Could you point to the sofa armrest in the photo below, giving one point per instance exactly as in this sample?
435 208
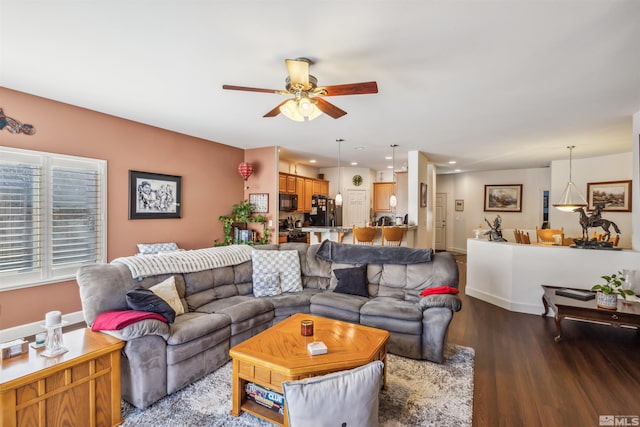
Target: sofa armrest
450 301
141 329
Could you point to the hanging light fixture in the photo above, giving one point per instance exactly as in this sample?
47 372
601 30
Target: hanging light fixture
393 200
571 198
339 196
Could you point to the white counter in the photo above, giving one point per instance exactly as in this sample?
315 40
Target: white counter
510 275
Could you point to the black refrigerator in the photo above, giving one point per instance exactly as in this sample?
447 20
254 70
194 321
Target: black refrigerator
324 212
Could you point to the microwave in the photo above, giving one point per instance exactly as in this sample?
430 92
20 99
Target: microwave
288 202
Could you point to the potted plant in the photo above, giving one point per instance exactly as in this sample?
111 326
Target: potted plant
241 213
607 296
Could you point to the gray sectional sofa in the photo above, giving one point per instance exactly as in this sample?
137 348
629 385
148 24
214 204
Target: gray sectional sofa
221 311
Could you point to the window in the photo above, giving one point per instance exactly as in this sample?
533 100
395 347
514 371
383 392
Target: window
52 216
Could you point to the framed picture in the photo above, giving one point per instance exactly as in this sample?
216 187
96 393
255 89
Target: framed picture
616 195
503 198
459 205
153 195
423 195
259 202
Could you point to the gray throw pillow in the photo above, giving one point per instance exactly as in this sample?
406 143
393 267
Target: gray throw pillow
352 281
346 397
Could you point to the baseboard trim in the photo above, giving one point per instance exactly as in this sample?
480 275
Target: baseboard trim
504 303
30 329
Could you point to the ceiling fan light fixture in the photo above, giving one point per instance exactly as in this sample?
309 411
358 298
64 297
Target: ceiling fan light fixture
290 110
307 108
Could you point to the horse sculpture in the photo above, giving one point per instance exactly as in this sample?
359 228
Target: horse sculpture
595 220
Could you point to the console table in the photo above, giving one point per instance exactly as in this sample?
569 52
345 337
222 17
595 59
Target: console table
627 314
80 387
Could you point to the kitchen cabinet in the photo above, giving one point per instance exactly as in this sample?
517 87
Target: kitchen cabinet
303 187
287 183
300 193
324 188
291 184
381 193
308 192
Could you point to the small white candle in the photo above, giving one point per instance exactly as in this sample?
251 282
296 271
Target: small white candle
53 318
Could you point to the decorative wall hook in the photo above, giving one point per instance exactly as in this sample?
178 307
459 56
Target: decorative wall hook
14 126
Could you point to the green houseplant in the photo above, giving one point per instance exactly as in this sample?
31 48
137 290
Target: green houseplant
607 296
241 213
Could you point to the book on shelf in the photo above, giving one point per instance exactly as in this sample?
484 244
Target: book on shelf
576 294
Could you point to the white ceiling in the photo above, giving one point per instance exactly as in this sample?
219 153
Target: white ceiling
495 84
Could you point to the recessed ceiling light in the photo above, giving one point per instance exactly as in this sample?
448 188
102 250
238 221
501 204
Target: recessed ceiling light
388 158
354 163
389 167
457 170
358 148
452 162
312 161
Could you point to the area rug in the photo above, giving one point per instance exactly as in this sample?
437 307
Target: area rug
419 393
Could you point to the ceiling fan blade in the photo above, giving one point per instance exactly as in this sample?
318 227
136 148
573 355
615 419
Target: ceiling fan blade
349 89
329 109
276 110
255 89
298 72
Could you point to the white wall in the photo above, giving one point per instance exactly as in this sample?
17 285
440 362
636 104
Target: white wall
635 149
616 167
470 188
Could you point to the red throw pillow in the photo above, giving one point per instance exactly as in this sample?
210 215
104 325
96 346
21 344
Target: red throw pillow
119 319
439 290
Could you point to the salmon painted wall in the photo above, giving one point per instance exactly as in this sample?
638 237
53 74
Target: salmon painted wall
264 180
206 168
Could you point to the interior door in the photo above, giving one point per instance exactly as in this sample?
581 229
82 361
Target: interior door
441 221
355 210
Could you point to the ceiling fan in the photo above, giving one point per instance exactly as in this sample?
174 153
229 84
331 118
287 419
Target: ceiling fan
307 102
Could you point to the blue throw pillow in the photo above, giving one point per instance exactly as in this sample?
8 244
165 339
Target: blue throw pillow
142 299
352 281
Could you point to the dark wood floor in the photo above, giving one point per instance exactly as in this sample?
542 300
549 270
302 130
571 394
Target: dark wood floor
524 378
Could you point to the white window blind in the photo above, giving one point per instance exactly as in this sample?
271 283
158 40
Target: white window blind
52 211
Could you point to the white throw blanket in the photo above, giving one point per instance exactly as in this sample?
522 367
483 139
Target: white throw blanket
186 261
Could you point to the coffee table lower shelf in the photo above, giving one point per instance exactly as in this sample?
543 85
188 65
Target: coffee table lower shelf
260 411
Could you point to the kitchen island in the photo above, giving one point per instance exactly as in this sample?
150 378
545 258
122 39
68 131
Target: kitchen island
338 234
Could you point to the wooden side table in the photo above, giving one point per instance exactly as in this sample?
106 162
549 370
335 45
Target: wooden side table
78 388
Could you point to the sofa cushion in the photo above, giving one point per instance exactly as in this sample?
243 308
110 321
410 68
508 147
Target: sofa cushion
337 306
268 285
191 326
340 398
352 281
441 300
167 291
289 268
154 248
266 264
119 319
392 315
143 299
266 276
141 329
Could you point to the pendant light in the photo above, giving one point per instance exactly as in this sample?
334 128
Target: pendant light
393 200
571 198
339 196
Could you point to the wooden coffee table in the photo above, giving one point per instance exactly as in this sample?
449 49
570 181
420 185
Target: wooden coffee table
626 314
280 354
